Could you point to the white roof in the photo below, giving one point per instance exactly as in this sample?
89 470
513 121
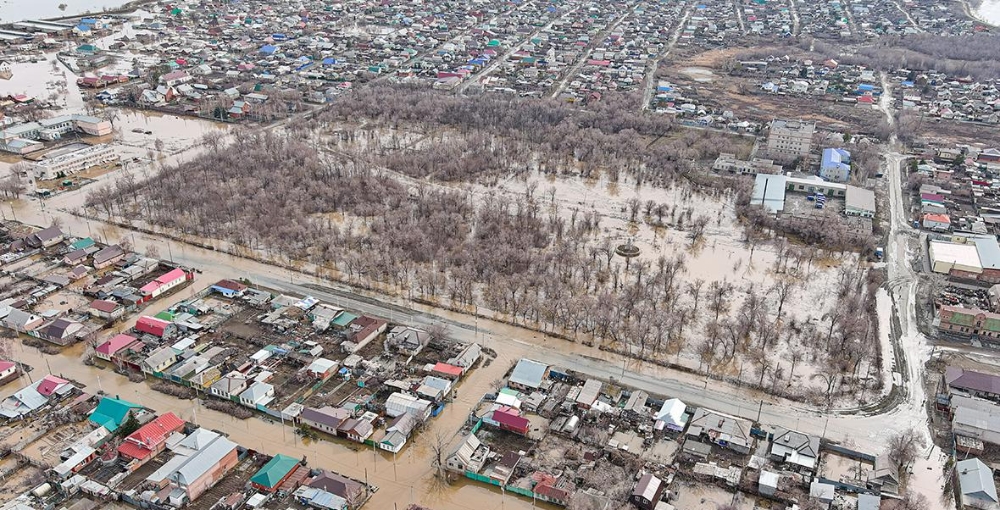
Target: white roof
964 255
769 191
73 461
199 452
401 403
321 365
769 479
976 481
672 412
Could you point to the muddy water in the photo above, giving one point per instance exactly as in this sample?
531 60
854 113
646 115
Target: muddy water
39 80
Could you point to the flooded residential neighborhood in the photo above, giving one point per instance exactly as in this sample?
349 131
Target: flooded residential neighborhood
434 255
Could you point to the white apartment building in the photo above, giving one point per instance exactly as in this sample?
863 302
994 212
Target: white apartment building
73 162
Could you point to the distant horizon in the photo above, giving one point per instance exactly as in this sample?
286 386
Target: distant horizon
42 9
989 11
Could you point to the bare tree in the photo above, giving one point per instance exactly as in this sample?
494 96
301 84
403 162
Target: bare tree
904 446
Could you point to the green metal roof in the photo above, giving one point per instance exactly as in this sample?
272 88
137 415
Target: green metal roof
344 319
962 319
86 242
274 471
165 316
111 412
991 324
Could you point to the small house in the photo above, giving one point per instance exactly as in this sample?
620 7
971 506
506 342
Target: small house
151 438
647 492
229 288
108 256
527 375
270 477
108 349
107 310
154 326
45 238
322 368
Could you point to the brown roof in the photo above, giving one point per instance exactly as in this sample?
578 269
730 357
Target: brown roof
962 379
103 305
336 484
108 253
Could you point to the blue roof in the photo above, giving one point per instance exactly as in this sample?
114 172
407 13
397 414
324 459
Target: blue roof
268 49
907 83
866 87
329 61
83 28
836 158
89 21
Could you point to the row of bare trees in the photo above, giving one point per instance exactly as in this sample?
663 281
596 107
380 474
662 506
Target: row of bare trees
371 217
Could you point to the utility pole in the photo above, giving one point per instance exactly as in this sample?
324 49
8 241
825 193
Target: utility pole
759 409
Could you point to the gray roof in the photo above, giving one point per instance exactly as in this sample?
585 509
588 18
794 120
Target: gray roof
45 235
637 401
859 198
403 424
976 480
18 318
108 253
821 491
590 391
211 448
528 373
989 252
336 484
256 391
806 445
159 356
795 125
721 427
869 502
22 402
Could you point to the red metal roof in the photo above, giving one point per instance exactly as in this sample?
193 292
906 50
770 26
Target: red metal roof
172 275
117 343
511 421
151 325
141 443
49 384
445 368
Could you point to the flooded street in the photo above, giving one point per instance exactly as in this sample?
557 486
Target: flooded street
45 81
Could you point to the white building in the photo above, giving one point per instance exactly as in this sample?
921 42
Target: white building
859 202
73 162
975 480
790 139
946 257
401 403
